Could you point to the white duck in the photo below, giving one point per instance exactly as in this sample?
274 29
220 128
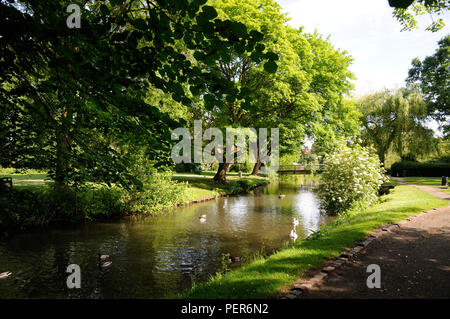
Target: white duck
293 234
202 218
5 274
102 257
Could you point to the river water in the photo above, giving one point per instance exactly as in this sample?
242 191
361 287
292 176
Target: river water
157 256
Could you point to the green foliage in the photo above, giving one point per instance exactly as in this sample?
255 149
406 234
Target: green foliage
239 186
429 169
432 77
72 98
395 120
159 192
350 179
406 10
24 208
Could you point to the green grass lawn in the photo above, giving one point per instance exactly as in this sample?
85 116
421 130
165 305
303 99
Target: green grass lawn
202 185
266 277
30 179
427 181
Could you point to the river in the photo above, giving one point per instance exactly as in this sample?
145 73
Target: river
156 257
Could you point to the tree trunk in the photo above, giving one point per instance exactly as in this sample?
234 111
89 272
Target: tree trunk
256 167
62 152
382 158
221 175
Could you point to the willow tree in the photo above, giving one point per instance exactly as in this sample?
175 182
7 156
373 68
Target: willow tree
396 120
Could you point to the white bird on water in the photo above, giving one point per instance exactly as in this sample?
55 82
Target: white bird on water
5 274
293 234
202 218
295 222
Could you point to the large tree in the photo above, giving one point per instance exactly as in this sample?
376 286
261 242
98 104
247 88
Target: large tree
395 120
84 92
432 76
283 91
304 93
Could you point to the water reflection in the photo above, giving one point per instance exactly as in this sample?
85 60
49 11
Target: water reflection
159 256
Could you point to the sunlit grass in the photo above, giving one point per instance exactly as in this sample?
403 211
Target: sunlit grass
29 179
202 185
266 277
427 181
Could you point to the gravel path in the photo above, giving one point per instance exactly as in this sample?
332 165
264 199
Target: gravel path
414 261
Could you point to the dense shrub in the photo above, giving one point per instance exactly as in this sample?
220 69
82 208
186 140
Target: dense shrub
427 169
159 191
38 207
350 179
239 186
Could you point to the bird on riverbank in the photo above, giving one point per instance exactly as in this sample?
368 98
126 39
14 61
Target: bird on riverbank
102 257
105 264
293 234
202 218
295 222
281 196
234 259
5 274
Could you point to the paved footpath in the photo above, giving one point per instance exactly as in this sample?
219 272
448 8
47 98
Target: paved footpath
414 261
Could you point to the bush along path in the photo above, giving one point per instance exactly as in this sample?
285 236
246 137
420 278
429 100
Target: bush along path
413 258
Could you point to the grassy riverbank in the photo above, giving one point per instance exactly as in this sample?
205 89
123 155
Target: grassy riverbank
266 277
201 185
34 202
427 181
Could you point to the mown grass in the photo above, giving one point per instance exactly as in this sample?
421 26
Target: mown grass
427 181
30 179
202 185
266 277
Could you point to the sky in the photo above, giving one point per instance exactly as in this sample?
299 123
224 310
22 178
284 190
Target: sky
371 35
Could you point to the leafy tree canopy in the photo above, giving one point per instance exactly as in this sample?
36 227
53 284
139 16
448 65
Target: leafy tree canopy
395 120
74 96
406 10
432 76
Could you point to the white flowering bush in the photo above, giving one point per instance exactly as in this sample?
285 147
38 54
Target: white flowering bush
351 179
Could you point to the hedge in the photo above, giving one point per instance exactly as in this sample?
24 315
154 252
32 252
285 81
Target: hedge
426 169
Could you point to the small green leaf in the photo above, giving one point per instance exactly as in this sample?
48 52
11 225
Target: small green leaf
270 67
104 10
210 12
272 56
257 36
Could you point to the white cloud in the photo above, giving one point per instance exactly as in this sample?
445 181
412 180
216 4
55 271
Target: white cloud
369 32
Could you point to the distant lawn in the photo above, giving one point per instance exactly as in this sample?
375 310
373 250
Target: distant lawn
427 181
29 179
202 185
266 277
